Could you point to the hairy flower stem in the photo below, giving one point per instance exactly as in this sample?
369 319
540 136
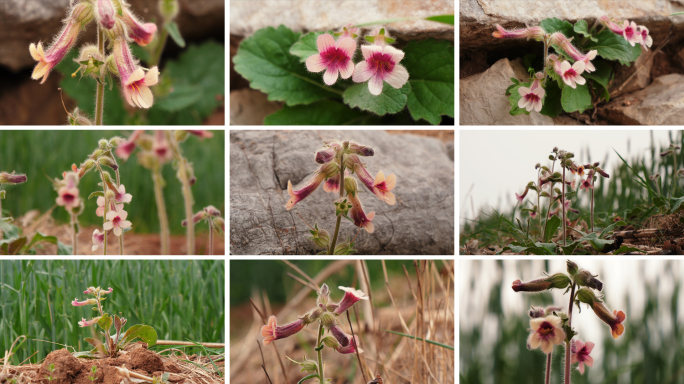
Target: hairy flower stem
0 218
331 251
118 184
553 165
74 235
99 95
568 338
674 171
546 53
187 198
591 211
321 374
161 43
563 206
104 215
547 378
539 211
211 236
161 210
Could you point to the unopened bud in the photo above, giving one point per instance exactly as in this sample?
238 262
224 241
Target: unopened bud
82 13
323 295
572 268
360 150
12 178
108 162
116 140
104 11
325 155
350 185
321 238
212 211
169 9
558 281
586 279
328 319
102 144
331 342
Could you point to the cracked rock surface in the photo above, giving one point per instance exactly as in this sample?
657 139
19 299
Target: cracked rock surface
261 163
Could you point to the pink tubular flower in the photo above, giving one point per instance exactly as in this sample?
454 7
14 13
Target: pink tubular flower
630 33
536 33
571 74
272 332
68 196
112 206
613 320
117 221
109 290
533 214
325 155
84 323
338 334
125 149
143 34
121 196
333 183
608 22
134 80
380 186
12 178
580 354
546 332
62 45
532 97
360 218
98 238
160 147
564 43
381 64
521 197
351 348
327 170
646 39
333 57
201 133
351 296
586 184
104 11
77 303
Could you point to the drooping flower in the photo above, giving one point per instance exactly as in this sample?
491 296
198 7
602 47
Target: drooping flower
360 218
558 281
351 296
335 57
536 33
380 186
325 171
580 354
98 239
546 332
608 22
614 320
161 148
117 221
338 334
104 11
135 82
77 303
351 348
80 15
325 155
646 39
521 197
380 64
533 214
142 33
86 323
571 74
121 196
12 178
125 149
630 33
586 184
566 45
272 331
112 206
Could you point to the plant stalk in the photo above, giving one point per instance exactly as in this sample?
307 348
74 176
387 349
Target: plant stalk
547 378
161 211
331 251
674 171
118 184
567 340
321 374
187 198
106 205
563 206
99 95
591 213
211 236
164 34
546 221
0 218
74 235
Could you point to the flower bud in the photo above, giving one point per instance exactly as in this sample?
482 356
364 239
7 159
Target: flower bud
572 268
168 9
308 366
219 223
323 295
586 279
12 178
102 144
350 185
558 280
110 195
360 150
325 155
312 315
327 319
331 342
321 238
115 141
104 11
108 162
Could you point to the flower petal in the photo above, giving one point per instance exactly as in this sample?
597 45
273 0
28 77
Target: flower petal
362 73
347 45
347 71
152 78
394 53
325 42
145 98
125 224
330 76
315 63
398 77
111 215
108 225
138 74
117 231
375 85
368 50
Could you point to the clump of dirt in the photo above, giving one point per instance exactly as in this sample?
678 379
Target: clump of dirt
136 359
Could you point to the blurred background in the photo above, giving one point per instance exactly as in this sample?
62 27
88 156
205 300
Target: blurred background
41 154
274 287
36 295
494 322
191 84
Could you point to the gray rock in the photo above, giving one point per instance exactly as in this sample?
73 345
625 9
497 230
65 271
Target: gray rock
642 67
247 16
250 107
262 162
23 22
661 103
483 100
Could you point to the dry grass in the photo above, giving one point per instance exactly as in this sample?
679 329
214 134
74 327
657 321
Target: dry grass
420 304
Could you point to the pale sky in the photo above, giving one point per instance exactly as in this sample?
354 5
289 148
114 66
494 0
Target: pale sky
497 164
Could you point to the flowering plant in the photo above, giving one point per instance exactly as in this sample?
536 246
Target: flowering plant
577 74
551 326
383 80
326 314
112 342
336 159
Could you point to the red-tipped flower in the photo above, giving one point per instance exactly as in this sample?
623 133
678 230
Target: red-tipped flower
272 332
351 296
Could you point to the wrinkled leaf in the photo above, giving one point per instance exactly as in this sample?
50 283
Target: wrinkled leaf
582 28
576 99
322 112
612 46
306 45
105 322
143 332
391 100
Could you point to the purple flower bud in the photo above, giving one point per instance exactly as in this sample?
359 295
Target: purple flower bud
339 335
272 332
12 178
325 155
360 150
105 13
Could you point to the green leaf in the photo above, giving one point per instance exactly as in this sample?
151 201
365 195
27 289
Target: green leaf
143 332
610 228
95 343
581 28
391 100
323 112
84 354
196 86
551 227
105 322
425 340
636 51
174 32
430 64
625 249
95 194
552 106
556 25
603 72
576 99
446 19
63 249
612 46
675 204
265 60
305 378
15 245
3 194
306 45
39 237
595 242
